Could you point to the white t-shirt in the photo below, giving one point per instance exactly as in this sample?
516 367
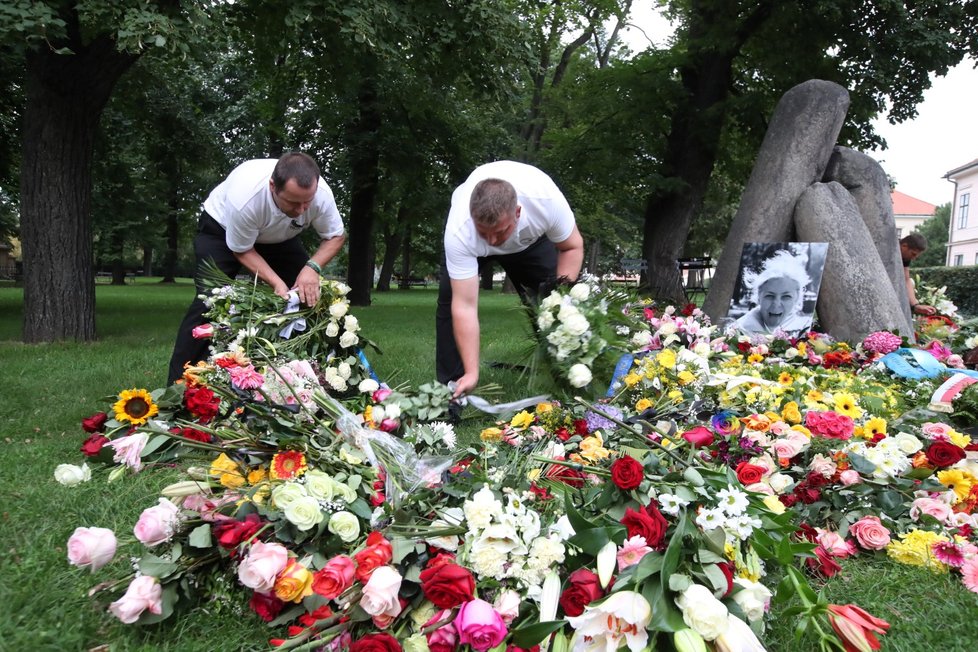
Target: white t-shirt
244 206
544 211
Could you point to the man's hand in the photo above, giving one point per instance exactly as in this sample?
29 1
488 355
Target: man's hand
307 285
923 309
281 289
465 384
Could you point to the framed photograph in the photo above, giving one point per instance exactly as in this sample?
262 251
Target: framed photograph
777 286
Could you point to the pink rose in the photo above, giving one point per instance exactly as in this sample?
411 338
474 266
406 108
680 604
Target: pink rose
91 547
156 524
129 449
822 465
380 593
202 332
850 477
380 394
479 625
786 448
699 436
507 605
760 488
834 544
930 507
143 593
445 638
935 430
334 578
870 533
954 360
263 563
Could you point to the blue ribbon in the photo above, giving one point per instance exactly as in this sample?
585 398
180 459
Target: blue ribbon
366 364
917 363
622 367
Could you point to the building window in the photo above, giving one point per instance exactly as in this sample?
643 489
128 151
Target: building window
899 233
963 210
959 260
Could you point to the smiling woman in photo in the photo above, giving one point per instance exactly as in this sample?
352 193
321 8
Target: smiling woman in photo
777 294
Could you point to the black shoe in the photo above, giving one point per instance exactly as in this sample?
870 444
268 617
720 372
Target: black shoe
454 413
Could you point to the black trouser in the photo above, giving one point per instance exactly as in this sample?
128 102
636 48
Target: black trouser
527 269
286 258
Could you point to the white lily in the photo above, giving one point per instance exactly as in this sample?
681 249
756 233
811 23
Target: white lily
607 558
549 597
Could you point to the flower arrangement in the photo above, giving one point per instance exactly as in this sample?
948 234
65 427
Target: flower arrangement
718 476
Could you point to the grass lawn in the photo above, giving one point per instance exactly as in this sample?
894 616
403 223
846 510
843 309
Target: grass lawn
48 389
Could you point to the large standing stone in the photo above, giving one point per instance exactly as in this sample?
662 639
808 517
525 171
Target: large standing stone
796 148
866 181
856 296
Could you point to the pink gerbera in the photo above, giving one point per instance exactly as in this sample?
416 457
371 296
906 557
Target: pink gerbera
948 552
882 342
969 574
246 377
632 551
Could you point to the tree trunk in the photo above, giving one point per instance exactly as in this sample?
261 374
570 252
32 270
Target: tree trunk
691 147
392 246
147 260
65 95
172 237
365 173
118 244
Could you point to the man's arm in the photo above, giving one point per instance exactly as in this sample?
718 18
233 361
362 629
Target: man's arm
570 256
915 308
465 324
256 264
307 283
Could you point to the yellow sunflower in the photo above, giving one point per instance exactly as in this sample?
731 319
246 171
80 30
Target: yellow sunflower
874 426
135 406
785 378
958 480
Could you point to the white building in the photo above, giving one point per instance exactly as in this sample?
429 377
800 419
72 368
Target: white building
962 237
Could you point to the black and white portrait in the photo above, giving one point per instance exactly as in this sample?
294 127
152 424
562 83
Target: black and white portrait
777 286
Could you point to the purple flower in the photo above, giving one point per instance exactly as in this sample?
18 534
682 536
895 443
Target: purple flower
597 418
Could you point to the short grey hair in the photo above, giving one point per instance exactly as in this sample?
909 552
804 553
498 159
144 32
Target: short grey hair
492 199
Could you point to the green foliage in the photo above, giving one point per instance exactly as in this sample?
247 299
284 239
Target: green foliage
959 281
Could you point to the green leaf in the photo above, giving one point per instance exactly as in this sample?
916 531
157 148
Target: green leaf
200 536
578 522
157 567
649 565
527 637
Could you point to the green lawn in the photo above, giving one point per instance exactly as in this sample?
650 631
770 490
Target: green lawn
48 389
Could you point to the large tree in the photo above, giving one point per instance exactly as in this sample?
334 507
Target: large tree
73 55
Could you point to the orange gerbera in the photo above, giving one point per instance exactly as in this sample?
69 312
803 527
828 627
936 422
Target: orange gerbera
288 465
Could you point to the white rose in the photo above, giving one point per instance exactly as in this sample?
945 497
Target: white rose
332 329
579 375
668 328
480 510
641 339
550 301
753 598
285 494
545 320
393 411
338 309
69 474
907 443
507 603
344 525
351 324
416 643
344 491
580 291
577 325
702 611
319 485
348 340
304 513
779 481
344 370
368 386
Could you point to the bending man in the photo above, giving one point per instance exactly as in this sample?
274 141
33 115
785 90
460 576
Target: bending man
911 246
253 219
513 214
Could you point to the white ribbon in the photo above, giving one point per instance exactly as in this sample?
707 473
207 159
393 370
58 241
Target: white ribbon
483 405
297 325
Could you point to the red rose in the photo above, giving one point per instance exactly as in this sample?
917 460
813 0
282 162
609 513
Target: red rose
95 423
266 605
309 618
699 436
565 474
202 402
943 454
809 495
727 569
748 473
382 642
583 588
823 563
230 533
647 523
192 434
447 585
562 434
788 500
377 553
94 444
580 427
627 473
377 499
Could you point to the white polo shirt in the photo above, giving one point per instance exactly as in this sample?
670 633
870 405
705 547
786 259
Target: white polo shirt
244 206
544 212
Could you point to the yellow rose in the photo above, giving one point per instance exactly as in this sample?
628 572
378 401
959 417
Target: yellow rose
229 473
592 448
790 412
632 379
643 404
773 504
491 435
543 408
666 358
522 420
257 475
686 377
293 583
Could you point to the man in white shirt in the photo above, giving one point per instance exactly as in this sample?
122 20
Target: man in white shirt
513 214
253 219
